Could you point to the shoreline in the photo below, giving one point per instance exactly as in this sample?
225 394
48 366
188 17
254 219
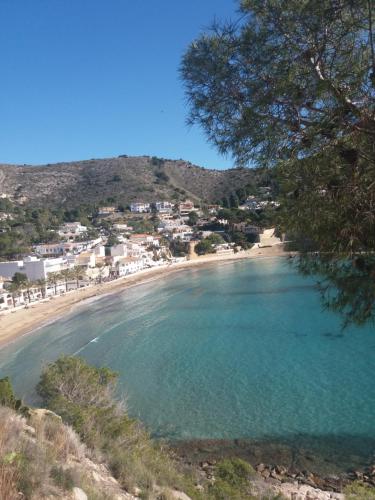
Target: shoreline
21 322
319 456
288 467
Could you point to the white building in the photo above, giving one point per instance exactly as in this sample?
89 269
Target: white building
52 249
120 250
140 207
33 267
84 259
127 249
173 225
72 229
64 248
122 228
181 235
6 216
224 248
134 249
164 207
107 210
176 229
128 265
213 209
99 250
165 216
186 207
144 239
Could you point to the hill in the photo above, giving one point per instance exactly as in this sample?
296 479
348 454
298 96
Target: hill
120 180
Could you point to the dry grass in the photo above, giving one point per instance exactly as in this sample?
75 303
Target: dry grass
9 478
64 441
11 426
41 458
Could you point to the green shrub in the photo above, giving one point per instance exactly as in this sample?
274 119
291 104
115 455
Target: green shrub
6 393
222 490
7 397
359 491
161 177
62 478
206 245
84 397
232 480
158 162
235 471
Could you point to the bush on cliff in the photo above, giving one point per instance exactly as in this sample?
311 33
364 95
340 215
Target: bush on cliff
84 396
359 491
232 480
7 397
39 457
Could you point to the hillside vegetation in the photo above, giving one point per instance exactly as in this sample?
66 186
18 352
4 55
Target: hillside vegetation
120 180
84 445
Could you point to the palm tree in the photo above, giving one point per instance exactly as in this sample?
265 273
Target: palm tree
20 282
100 271
41 284
14 289
77 273
28 285
66 274
54 279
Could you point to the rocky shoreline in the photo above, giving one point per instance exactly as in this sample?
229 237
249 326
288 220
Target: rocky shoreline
298 485
276 474
292 484
295 473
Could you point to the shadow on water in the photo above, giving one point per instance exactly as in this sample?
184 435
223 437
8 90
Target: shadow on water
321 455
275 291
331 335
346 285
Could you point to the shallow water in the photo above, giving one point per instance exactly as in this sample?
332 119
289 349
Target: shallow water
240 350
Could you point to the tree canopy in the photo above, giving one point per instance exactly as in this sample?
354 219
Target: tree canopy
291 84
289 78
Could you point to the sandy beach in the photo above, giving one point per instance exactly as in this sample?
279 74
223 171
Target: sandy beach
23 321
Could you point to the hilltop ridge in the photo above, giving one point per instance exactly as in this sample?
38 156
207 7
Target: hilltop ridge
119 180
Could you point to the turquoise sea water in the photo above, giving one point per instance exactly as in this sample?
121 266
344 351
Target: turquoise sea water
236 350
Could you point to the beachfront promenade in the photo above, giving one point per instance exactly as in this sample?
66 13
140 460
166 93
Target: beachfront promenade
24 320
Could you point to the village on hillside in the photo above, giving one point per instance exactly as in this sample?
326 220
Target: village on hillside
117 243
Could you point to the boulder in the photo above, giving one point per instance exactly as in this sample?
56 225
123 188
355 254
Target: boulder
78 494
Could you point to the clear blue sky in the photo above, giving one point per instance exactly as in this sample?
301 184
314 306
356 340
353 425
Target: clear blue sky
87 79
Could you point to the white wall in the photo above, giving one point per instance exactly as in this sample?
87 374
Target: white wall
34 268
119 251
7 269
